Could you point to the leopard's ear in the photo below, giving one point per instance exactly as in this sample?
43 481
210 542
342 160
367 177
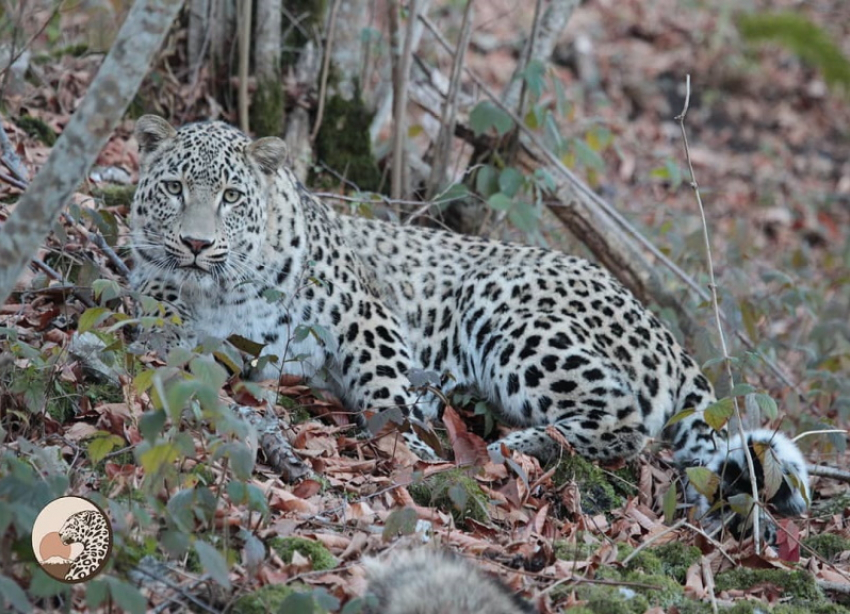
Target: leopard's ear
269 152
151 131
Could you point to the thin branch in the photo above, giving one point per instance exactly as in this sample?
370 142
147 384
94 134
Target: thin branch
593 199
712 284
448 120
829 472
95 237
326 65
26 45
11 159
57 276
523 90
244 56
402 78
12 181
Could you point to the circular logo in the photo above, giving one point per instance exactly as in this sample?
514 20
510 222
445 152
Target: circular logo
72 539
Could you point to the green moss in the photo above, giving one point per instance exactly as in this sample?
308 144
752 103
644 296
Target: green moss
573 551
822 607
266 599
827 545
675 559
267 109
114 195
453 491
796 584
37 129
600 491
344 145
611 599
319 555
310 16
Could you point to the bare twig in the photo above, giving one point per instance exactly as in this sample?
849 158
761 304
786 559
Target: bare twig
712 284
836 587
95 237
57 276
829 472
12 160
523 88
402 77
592 199
26 45
449 115
12 181
326 64
244 56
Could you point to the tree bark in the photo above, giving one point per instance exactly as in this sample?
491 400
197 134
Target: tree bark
117 81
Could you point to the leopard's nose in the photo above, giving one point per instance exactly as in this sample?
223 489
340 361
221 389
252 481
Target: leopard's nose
196 246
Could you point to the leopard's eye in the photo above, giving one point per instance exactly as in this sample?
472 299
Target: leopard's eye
232 195
175 188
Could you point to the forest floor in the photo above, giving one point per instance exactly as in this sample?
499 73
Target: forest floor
769 141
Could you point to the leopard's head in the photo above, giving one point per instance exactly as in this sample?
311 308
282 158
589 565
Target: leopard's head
200 211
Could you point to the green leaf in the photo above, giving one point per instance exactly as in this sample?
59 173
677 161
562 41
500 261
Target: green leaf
400 522
534 75
92 317
510 181
206 369
105 289
587 156
523 216
100 446
486 115
213 563
14 594
126 596
771 468
718 413
458 496
455 191
750 318
144 380
668 504
298 603
151 423
599 138
741 503
179 357
324 337
96 593
159 455
500 202
704 481
741 390
767 405
241 460
678 417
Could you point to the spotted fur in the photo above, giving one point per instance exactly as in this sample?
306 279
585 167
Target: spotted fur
90 529
219 224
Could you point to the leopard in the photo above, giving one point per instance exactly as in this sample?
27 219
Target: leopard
434 581
226 237
91 529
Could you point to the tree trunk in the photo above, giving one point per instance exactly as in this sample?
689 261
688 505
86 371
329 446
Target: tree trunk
267 108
